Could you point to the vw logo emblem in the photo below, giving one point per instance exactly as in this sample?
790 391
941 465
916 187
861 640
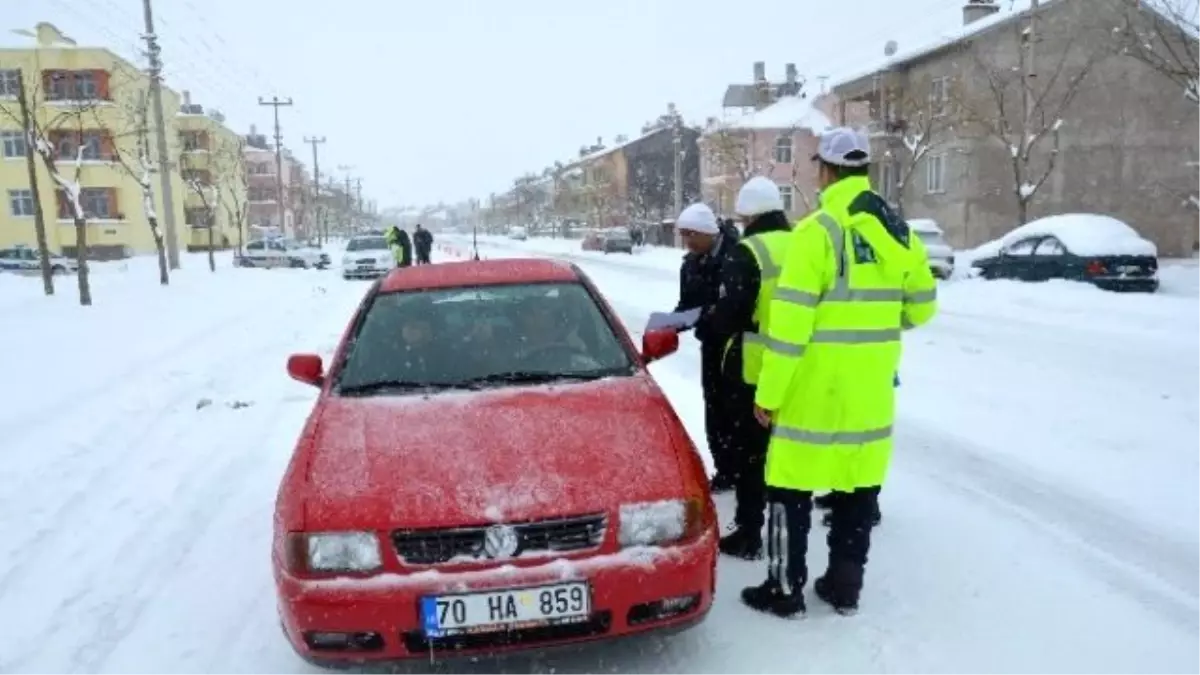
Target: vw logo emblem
500 541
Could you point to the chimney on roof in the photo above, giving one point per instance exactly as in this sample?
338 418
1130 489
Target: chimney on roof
975 10
760 72
253 130
187 97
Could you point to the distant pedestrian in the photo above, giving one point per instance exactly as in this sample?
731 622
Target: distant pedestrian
423 243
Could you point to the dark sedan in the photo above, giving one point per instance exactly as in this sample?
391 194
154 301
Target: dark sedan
1041 257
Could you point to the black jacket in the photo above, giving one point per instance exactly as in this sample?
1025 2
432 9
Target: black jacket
700 279
740 282
423 240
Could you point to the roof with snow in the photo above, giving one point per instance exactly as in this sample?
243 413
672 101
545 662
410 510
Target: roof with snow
790 112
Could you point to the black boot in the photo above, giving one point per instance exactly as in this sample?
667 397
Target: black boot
840 587
770 599
721 483
742 543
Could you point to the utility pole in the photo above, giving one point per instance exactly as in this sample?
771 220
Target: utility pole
360 203
329 184
39 219
276 104
350 217
160 133
677 146
317 187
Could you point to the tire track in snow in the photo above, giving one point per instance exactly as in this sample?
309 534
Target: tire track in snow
146 411
1151 567
144 556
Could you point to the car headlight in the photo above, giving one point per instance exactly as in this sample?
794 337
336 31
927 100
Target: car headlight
651 523
347 261
343 552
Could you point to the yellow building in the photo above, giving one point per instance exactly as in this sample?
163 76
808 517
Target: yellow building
89 98
212 164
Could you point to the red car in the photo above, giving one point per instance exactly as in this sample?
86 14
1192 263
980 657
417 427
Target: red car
488 466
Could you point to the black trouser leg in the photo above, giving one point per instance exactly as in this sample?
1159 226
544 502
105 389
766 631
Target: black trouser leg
749 441
851 515
789 518
716 421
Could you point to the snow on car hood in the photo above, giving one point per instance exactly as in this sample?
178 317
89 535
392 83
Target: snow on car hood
502 455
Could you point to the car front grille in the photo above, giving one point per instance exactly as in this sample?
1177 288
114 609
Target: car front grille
365 261
559 535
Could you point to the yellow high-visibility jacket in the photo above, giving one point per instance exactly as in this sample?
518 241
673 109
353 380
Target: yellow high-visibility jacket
852 279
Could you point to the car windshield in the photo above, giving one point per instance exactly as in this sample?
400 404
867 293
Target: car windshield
367 244
931 238
481 337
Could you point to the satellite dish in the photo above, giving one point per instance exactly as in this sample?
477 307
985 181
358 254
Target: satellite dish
890 48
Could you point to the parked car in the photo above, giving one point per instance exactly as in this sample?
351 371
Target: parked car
26 259
518 233
1077 246
488 466
593 240
279 252
367 257
941 256
617 240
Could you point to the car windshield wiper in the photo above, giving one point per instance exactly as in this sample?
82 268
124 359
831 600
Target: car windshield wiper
396 386
532 377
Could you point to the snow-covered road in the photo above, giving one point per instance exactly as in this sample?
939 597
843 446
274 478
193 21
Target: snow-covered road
1041 517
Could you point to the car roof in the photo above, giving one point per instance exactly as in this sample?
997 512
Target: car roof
479 273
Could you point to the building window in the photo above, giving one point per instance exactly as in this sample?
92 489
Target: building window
20 202
13 143
97 203
785 193
935 174
193 140
260 194
9 83
75 85
95 145
260 169
783 150
939 95
196 217
199 176
887 181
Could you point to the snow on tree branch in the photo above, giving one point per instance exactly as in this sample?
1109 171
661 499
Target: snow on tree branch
1162 34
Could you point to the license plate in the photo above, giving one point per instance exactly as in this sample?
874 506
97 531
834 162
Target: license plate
1128 269
492 611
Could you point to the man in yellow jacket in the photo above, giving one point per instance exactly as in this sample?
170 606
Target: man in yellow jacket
854 277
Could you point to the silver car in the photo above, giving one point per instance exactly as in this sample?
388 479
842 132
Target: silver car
25 259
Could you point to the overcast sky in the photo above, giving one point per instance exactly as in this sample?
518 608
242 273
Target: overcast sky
450 99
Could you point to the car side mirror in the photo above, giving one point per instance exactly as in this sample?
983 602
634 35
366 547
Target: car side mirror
306 368
659 343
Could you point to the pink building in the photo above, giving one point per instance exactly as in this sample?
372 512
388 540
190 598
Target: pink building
776 141
262 194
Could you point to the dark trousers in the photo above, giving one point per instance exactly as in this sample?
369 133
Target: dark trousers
749 441
789 518
422 257
716 419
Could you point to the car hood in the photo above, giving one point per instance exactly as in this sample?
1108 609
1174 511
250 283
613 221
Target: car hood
511 454
938 251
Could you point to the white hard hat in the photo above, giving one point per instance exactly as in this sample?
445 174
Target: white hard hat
698 218
843 146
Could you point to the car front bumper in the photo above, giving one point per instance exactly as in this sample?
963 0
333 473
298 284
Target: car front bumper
624 588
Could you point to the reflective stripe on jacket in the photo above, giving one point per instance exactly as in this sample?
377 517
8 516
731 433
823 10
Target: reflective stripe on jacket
852 278
768 249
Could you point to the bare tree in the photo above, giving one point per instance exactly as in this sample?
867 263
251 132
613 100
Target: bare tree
1023 107
918 119
138 165
208 181
70 186
1163 35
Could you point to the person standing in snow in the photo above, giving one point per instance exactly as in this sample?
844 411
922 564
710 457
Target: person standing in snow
423 243
699 280
854 277
401 246
748 279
